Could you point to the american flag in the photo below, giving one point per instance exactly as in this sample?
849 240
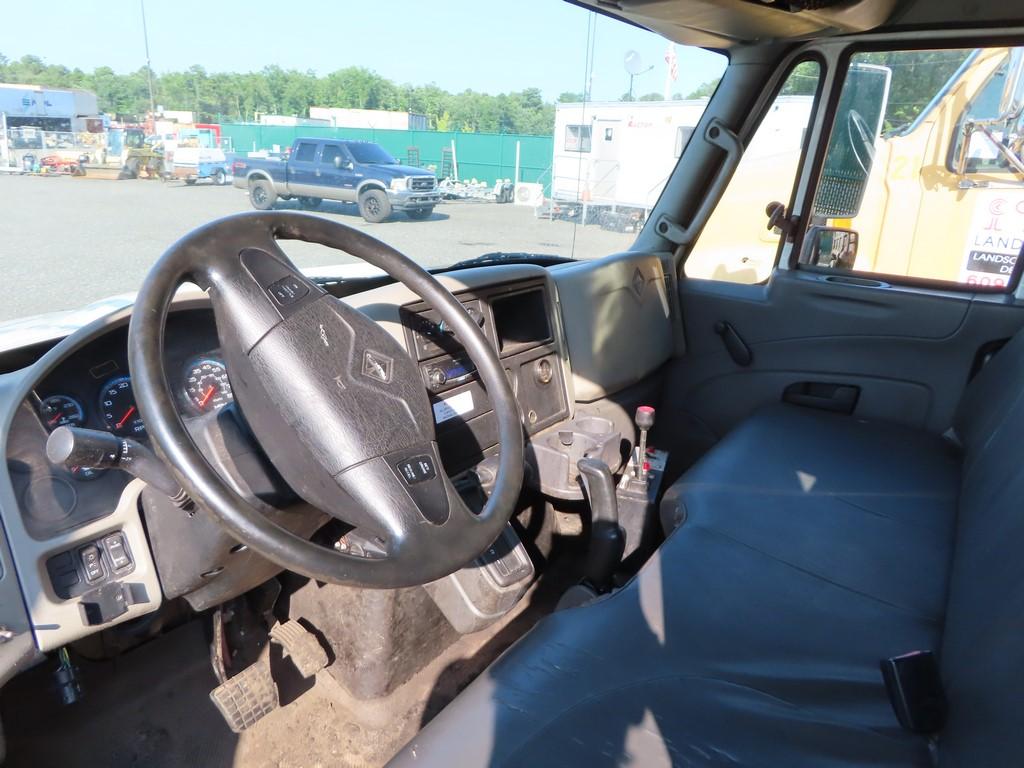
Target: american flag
673 63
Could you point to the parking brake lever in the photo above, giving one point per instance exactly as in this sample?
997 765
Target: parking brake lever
80 447
606 540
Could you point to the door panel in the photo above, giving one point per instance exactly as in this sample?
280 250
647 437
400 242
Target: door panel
910 352
338 182
302 169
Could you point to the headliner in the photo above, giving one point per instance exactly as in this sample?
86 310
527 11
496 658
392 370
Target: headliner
723 24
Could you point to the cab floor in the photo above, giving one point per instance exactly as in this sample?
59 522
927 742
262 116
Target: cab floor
150 707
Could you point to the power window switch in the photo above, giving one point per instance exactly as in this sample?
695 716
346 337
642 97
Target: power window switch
116 551
92 563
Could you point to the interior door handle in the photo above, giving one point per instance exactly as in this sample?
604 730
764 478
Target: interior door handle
823 395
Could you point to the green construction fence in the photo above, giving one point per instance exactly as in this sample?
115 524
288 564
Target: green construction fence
486 157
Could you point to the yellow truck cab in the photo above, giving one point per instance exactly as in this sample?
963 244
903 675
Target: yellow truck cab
924 187
945 200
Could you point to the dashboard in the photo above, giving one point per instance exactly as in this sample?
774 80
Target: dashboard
84 549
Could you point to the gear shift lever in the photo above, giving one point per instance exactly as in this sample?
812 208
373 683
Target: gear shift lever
606 539
644 421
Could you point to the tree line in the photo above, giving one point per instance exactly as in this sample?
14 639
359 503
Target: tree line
916 76
223 96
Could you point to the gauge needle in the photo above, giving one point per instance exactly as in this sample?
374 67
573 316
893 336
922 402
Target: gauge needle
56 418
125 417
207 395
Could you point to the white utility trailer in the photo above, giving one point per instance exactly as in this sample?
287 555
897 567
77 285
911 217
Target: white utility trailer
612 159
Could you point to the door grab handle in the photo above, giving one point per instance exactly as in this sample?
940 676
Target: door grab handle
718 134
737 348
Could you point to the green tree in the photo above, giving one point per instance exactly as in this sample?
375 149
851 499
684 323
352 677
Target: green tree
704 90
274 90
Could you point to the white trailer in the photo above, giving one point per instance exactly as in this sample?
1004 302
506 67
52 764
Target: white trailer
616 156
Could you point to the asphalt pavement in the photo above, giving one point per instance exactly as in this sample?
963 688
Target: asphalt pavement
66 242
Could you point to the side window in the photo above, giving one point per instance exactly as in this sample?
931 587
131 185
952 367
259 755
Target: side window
577 138
736 244
306 152
899 197
329 152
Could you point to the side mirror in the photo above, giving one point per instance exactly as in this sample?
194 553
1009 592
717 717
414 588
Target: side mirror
851 147
832 247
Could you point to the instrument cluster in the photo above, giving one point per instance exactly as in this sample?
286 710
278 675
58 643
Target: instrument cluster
93 387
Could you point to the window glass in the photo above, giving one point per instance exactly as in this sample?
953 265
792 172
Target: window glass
329 152
550 136
305 153
370 154
736 244
577 138
898 197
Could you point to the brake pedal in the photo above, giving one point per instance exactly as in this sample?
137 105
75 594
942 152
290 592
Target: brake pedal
306 653
247 697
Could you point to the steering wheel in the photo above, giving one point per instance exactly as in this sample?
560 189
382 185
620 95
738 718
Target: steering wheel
337 404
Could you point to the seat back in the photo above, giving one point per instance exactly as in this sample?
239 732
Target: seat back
982 655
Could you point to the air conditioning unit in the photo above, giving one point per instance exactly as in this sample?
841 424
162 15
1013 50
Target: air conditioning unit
529 193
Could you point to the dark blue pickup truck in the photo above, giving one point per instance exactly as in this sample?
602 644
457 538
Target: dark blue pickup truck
358 172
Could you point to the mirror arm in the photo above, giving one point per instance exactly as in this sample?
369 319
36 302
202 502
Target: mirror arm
961 162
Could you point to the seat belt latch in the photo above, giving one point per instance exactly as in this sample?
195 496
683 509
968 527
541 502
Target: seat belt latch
915 691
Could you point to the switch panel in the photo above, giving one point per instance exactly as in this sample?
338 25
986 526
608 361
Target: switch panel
90 565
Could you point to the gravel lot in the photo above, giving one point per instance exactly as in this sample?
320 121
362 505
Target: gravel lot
66 242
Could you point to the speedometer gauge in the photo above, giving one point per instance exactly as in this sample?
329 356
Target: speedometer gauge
117 404
206 385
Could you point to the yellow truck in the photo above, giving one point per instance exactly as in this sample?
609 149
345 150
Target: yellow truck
942 198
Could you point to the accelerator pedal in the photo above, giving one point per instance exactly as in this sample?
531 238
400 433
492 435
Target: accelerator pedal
247 697
301 646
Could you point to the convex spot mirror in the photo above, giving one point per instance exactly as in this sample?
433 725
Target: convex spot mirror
832 247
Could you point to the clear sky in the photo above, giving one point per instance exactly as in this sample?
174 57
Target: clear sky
483 45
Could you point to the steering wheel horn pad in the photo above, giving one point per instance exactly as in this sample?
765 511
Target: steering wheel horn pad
335 402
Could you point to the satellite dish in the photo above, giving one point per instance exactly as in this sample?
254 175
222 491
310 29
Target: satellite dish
633 63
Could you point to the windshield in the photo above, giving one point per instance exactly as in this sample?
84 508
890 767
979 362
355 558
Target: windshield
370 154
536 129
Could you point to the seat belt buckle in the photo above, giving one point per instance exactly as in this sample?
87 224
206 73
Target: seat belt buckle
915 691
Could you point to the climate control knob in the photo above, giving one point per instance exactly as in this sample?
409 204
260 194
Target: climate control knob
437 378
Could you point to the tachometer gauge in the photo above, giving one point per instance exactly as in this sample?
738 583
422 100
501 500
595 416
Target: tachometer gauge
206 385
61 410
117 404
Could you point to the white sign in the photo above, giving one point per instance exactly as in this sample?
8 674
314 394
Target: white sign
457 405
994 239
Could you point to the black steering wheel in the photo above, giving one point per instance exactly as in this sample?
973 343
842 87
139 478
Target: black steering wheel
334 401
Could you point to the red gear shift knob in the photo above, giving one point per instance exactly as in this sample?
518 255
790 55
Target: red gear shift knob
644 417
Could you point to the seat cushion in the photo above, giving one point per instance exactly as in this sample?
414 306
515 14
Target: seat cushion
883 497
814 545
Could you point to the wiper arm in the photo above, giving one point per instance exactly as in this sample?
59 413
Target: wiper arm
502 257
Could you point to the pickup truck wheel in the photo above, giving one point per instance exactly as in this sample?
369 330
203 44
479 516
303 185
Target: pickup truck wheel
262 195
219 177
374 206
419 214
310 202
190 182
